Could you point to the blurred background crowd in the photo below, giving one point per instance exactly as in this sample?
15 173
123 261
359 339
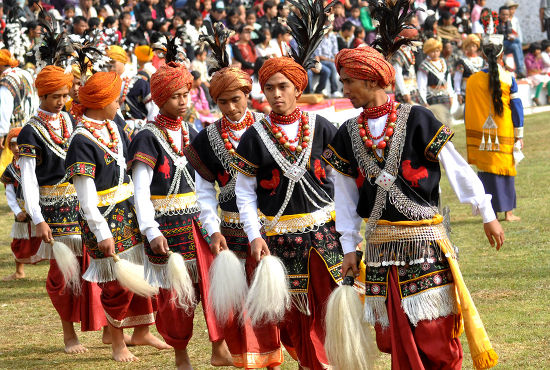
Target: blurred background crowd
448 34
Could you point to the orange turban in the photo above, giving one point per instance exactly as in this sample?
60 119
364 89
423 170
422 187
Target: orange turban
288 67
117 53
143 53
100 90
229 79
51 79
14 132
365 63
167 79
6 59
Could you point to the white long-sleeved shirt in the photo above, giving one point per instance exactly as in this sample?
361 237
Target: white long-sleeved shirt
462 178
142 176
6 102
206 193
12 199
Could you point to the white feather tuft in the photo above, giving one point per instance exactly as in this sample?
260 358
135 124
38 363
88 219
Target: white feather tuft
130 276
348 342
268 297
180 282
228 286
68 265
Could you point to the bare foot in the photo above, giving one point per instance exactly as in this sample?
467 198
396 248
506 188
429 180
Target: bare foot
142 337
509 216
123 354
13 276
107 338
220 354
73 346
183 362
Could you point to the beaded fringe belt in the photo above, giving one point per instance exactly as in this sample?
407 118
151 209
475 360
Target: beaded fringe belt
398 243
175 204
299 223
52 194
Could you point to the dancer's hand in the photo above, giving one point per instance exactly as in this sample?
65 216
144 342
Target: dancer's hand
217 243
107 247
159 245
258 249
21 216
44 232
350 263
494 233
520 143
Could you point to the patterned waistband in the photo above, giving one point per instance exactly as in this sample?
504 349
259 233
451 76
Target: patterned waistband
176 202
298 223
58 191
115 195
387 231
230 217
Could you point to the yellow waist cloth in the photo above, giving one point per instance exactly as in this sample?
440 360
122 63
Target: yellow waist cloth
175 202
115 195
298 222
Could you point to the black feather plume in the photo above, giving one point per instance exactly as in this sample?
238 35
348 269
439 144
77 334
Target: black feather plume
90 55
54 49
217 43
308 29
170 48
392 19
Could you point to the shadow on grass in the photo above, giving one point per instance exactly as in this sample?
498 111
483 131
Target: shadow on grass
22 289
36 357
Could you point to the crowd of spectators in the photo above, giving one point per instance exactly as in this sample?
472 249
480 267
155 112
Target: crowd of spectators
260 32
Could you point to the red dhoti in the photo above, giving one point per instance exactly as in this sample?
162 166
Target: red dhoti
428 345
125 309
84 308
24 250
173 323
303 335
253 347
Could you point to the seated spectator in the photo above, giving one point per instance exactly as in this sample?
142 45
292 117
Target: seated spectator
195 27
86 9
145 10
216 14
283 10
535 71
281 37
142 34
446 30
326 51
80 25
345 36
429 29
199 65
197 98
355 17
265 47
270 15
124 23
339 13
324 74
259 101
233 21
250 20
511 42
462 21
366 22
359 37
244 50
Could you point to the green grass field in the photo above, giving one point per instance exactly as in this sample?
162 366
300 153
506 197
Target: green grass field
511 288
